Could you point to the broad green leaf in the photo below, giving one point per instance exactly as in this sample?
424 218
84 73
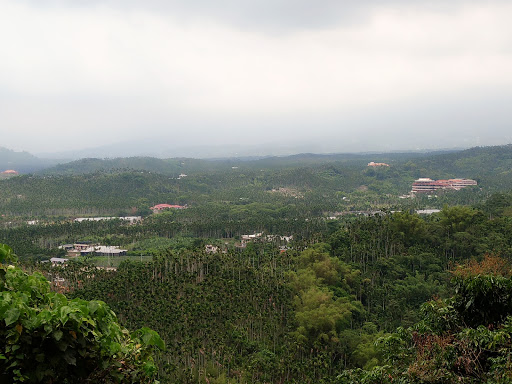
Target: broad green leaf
11 316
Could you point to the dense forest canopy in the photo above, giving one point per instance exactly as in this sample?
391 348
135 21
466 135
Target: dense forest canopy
304 269
317 183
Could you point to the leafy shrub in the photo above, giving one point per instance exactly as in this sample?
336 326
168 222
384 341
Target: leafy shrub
47 338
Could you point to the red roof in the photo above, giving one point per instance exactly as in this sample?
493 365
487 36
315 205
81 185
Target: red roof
10 172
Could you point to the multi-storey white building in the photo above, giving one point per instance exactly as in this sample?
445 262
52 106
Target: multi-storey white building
429 185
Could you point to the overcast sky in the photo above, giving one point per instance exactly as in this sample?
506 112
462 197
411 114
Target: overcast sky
339 75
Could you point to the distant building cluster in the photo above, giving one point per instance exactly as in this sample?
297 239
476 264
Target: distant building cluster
427 211
210 248
87 248
373 164
160 207
429 185
131 219
276 239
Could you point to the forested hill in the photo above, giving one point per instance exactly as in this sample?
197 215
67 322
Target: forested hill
113 186
473 162
148 164
478 162
23 162
174 166
490 166
359 159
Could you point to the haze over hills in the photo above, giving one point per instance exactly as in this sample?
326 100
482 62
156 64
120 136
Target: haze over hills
454 161
163 148
23 162
110 158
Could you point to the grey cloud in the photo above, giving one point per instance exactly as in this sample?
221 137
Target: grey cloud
273 15
207 85
481 118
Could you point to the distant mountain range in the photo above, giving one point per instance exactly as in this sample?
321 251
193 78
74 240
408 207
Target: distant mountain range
23 162
471 161
162 148
165 148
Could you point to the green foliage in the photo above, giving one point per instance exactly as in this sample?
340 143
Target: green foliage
483 292
316 184
326 313
303 315
45 337
463 339
6 255
221 315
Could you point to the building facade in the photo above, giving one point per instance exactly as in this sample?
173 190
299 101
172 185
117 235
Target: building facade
429 185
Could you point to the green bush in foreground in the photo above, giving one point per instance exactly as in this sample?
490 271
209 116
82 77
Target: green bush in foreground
47 338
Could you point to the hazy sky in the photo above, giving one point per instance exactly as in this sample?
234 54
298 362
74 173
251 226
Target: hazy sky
341 75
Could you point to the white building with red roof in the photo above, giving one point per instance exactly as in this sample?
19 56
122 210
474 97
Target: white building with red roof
429 185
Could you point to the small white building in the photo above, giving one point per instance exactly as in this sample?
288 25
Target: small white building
58 261
427 211
210 248
251 237
104 250
131 219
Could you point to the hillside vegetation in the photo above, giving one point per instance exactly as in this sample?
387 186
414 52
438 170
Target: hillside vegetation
128 185
340 280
